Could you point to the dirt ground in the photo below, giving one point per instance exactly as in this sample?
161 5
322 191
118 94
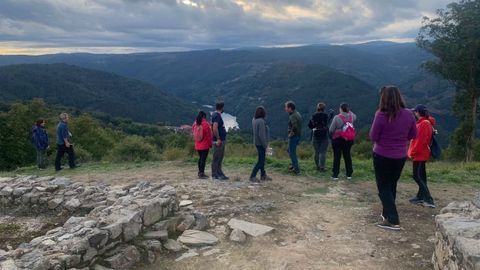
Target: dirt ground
319 224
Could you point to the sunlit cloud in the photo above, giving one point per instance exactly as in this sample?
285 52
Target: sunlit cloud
119 26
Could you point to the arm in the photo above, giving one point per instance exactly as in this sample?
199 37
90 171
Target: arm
262 134
65 137
376 129
295 125
412 134
424 135
216 133
333 125
310 123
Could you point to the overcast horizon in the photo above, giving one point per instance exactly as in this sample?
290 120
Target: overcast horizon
131 26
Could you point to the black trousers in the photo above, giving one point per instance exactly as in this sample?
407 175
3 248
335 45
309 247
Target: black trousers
420 176
387 174
61 150
202 160
341 147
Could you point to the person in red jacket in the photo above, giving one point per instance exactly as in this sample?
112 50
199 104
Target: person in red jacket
419 152
202 135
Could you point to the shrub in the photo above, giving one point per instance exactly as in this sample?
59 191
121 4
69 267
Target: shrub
134 148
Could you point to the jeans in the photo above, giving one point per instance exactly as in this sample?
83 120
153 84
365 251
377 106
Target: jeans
61 150
341 146
292 151
387 174
260 166
218 154
420 176
320 145
42 158
202 160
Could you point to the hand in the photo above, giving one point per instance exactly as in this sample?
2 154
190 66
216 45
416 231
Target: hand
219 142
67 144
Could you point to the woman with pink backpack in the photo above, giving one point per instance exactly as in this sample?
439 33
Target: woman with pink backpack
342 132
202 135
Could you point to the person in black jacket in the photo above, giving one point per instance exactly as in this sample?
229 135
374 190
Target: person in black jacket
319 125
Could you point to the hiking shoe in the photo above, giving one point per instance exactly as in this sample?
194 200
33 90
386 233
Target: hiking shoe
429 205
265 178
254 180
416 200
383 218
215 177
349 178
202 176
335 178
291 168
223 178
322 170
388 226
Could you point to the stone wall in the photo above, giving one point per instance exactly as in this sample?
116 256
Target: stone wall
106 233
457 239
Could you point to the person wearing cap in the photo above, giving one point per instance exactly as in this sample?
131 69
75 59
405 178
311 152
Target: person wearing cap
419 153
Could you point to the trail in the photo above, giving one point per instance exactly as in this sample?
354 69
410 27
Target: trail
319 224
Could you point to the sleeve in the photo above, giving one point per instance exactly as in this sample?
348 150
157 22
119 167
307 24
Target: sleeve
295 124
424 134
311 123
65 133
262 134
215 118
376 129
412 134
333 125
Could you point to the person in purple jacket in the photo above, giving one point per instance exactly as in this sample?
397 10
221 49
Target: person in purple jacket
393 127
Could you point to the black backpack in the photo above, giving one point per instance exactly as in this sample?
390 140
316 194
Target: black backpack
320 128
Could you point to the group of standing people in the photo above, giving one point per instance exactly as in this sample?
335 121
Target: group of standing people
397 133
40 141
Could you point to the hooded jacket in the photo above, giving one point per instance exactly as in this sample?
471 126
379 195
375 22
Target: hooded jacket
39 138
206 141
419 149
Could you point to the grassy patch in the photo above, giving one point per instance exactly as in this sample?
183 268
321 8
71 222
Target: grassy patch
9 229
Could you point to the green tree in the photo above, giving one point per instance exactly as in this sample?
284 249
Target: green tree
454 38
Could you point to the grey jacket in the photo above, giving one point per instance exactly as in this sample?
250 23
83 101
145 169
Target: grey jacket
337 122
261 133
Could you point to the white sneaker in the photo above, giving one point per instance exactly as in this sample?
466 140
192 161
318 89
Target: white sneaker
349 178
334 178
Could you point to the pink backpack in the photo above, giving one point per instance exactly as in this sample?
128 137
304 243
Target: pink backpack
348 130
197 133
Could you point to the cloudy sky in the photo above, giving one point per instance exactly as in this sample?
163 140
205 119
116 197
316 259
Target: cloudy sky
117 26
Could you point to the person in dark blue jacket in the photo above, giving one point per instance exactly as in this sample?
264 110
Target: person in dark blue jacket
63 143
40 141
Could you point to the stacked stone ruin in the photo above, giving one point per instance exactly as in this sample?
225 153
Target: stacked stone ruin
457 239
103 229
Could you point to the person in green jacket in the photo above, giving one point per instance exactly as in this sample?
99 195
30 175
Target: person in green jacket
294 134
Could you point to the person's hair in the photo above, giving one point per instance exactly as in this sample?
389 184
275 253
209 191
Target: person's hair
200 116
291 105
260 112
344 107
391 101
424 113
63 116
321 107
39 122
219 106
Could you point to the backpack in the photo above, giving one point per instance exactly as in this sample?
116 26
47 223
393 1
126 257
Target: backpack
348 130
320 129
435 149
197 133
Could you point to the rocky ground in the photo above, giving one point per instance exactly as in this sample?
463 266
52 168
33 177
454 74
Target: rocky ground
318 224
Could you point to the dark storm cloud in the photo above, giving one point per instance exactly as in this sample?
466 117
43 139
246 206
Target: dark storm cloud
206 23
